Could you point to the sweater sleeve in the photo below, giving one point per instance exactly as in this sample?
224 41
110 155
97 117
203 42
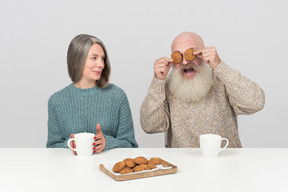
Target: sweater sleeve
125 137
154 112
245 96
54 136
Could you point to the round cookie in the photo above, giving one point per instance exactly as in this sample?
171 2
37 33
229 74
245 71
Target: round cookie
119 166
126 170
129 162
150 165
155 160
145 167
189 55
177 57
138 168
140 160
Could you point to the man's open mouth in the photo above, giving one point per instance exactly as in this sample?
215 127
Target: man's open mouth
188 71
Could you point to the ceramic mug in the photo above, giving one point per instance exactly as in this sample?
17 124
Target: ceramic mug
84 143
210 144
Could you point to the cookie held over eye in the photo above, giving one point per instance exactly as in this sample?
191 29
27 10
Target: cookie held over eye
119 166
189 55
177 57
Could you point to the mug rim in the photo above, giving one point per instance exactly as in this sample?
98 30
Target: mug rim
84 133
210 134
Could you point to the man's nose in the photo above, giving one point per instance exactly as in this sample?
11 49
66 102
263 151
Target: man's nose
184 62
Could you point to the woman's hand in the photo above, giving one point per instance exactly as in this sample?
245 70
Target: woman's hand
72 143
100 141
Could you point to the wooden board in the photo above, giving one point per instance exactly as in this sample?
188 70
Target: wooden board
141 175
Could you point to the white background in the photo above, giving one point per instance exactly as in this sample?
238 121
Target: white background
250 36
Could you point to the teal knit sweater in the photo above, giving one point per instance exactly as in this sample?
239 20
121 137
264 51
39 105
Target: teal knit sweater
74 110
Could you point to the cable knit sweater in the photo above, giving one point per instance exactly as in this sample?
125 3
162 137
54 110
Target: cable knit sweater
74 110
231 94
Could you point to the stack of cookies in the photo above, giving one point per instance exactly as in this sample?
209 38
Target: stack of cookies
137 164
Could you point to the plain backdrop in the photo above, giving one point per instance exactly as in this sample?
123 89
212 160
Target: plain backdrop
249 35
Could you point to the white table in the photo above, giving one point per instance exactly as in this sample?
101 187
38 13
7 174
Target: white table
41 169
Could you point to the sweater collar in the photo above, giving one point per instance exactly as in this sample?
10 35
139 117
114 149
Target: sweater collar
83 92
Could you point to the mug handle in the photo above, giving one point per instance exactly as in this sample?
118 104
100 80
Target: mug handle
227 143
68 143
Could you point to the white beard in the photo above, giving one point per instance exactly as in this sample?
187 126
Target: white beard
191 89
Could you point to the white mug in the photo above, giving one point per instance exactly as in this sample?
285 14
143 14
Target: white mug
84 143
210 144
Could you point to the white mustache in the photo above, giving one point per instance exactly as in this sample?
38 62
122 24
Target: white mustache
189 66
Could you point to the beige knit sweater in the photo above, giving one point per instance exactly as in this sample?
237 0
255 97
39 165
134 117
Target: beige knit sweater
231 94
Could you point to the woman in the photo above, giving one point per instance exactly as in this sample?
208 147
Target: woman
90 102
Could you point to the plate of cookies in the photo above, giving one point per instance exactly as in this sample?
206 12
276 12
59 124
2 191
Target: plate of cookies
137 167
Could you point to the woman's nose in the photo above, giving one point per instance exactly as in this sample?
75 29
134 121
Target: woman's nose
101 64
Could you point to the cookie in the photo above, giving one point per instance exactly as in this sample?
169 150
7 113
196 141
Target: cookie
151 165
129 162
140 160
145 167
140 168
126 170
177 57
155 160
189 55
119 166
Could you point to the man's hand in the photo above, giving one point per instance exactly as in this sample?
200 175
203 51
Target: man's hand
209 55
162 67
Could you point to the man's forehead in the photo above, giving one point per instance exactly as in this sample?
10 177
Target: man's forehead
187 40
183 45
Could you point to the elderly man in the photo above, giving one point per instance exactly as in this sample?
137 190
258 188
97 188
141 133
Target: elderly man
199 96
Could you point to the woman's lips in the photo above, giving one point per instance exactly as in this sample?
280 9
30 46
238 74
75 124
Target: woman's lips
97 72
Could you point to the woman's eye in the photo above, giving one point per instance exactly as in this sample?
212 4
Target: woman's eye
93 58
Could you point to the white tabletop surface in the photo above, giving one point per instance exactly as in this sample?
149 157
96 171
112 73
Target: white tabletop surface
246 169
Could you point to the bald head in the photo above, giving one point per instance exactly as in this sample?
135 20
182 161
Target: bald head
187 40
